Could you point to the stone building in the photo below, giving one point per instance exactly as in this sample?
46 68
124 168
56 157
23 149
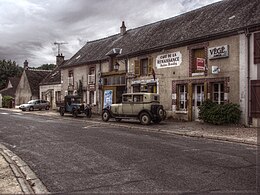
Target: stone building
28 87
50 86
203 54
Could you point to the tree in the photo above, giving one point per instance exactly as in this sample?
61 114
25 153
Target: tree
46 67
8 69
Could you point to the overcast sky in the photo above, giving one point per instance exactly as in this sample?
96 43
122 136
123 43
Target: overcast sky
29 28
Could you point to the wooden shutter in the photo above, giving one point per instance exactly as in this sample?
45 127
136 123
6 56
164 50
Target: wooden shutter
150 66
257 48
137 67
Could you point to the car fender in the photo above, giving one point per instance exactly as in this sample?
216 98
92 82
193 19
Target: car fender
147 111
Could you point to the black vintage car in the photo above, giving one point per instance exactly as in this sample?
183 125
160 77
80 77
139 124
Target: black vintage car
72 104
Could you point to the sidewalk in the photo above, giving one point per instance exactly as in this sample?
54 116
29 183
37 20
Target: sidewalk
16 177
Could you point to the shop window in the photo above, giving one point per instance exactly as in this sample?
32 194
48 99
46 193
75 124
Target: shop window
182 97
218 93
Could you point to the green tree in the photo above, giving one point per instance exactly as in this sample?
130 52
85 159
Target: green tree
8 69
46 67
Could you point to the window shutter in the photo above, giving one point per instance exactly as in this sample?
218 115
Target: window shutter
150 66
137 67
257 48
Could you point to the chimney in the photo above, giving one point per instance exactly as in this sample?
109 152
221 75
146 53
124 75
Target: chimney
123 28
25 65
59 59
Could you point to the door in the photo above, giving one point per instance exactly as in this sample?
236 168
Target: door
198 92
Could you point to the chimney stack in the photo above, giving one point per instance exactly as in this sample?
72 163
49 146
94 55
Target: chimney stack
59 59
25 65
123 28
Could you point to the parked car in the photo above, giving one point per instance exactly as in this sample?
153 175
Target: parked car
72 104
144 106
37 104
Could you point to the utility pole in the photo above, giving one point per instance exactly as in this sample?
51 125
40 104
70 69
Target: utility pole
59 44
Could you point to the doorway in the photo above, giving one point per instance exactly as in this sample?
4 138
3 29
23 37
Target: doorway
198 97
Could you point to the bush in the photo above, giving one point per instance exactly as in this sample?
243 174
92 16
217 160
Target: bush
7 102
218 114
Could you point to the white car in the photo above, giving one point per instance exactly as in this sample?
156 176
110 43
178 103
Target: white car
35 104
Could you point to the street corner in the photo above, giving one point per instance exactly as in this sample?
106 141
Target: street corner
16 176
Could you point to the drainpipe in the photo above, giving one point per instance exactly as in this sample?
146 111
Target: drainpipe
248 35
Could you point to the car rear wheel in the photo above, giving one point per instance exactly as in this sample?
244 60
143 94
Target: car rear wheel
75 113
47 107
145 118
105 115
62 111
31 108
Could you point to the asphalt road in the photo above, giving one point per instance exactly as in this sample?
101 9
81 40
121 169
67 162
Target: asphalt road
76 155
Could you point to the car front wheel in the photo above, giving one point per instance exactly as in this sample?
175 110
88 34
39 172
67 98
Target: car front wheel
145 118
105 115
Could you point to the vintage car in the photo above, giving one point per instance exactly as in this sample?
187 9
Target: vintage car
72 104
144 106
35 105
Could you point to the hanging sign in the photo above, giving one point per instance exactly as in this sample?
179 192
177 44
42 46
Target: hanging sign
169 60
218 52
200 63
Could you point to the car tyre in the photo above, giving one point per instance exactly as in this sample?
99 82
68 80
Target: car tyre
47 107
62 111
75 113
105 115
31 108
145 118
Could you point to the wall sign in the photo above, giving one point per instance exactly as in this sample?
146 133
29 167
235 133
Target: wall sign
200 62
218 52
169 60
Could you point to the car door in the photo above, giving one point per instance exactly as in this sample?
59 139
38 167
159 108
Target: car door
138 104
127 104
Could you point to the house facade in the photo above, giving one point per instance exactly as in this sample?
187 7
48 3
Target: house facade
28 87
186 59
50 86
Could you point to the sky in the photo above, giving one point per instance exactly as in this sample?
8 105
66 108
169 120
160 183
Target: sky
29 28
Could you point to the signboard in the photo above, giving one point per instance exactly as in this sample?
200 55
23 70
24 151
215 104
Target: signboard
218 52
200 63
169 60
215 70
108 96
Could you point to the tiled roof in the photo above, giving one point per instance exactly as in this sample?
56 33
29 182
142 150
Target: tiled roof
215 20
11 91
54 77
34 79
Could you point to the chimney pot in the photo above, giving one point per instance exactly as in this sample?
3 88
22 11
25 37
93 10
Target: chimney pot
123 28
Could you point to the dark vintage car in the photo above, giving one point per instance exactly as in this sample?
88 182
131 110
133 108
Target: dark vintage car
72 104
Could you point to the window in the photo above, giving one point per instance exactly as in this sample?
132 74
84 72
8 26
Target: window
91 97
57 96
70 78
144 67
127 98
91 76
138 98
257 48
182 97
218 93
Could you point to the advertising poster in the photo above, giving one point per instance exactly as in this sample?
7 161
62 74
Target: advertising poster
200 62
108 95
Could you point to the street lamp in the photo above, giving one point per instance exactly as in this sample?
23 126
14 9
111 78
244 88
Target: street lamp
116 66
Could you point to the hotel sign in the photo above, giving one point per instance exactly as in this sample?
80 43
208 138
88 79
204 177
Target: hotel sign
169 60
218 52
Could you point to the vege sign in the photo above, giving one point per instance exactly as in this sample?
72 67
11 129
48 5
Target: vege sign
218 52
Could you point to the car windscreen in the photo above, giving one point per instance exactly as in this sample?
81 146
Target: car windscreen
31 102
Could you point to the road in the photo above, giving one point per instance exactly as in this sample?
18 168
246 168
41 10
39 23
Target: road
76 155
